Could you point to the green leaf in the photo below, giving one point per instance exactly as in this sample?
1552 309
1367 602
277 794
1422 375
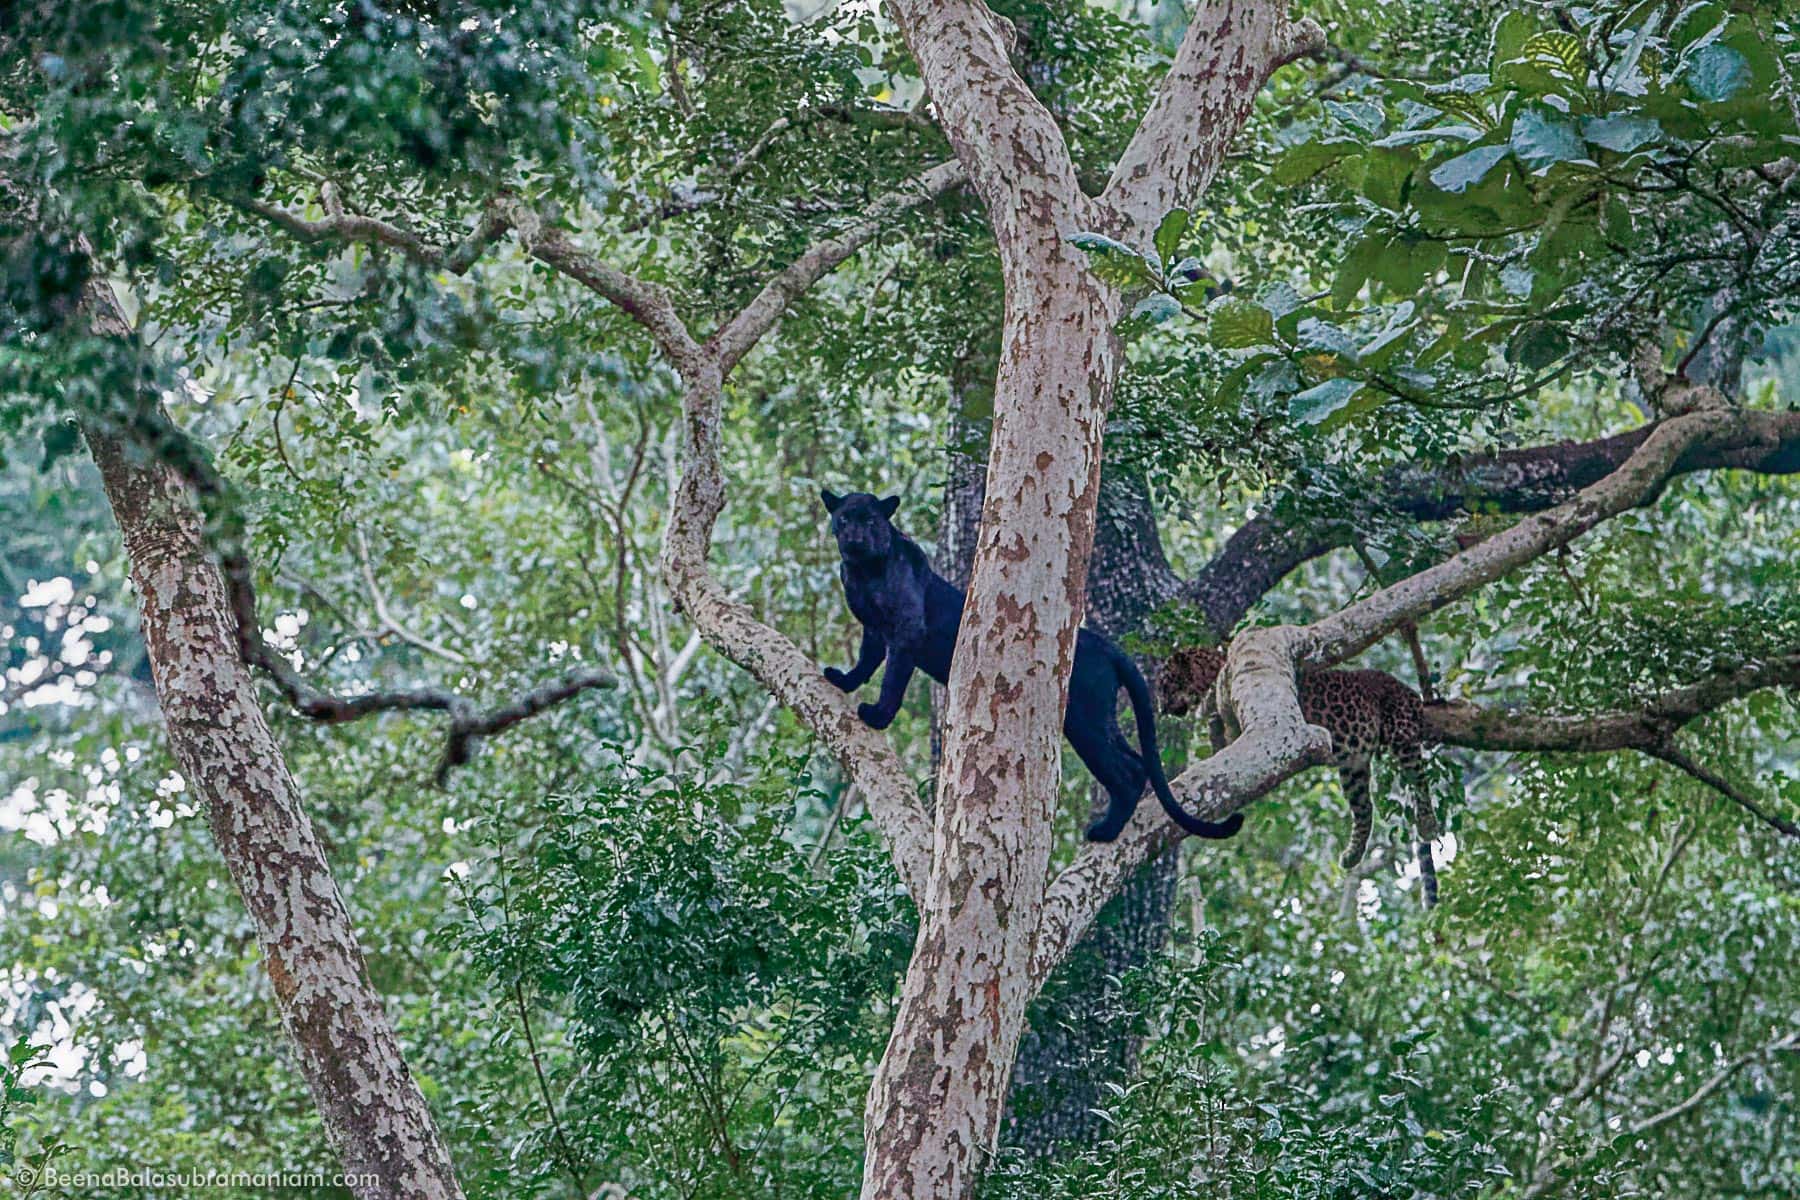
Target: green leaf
1115 262
1155 308
1240 324
1538 345
1361 115
1511 32
1315 404
1541 141
1436 133
1621 133
1357 265
1169 233
1304 161
1314 334
1459 173
1558 51
1462 104
1717 73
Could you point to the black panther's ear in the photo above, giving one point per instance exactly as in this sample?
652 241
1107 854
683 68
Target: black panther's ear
831 499
889 507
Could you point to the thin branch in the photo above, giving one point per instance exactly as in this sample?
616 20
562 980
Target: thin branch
744 330
1680 759
650 304
388 623
1644 726
153 432
1545 1177
341 226
1352 630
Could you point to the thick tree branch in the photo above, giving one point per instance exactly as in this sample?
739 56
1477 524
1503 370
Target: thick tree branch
1266 548
1258 684
1010 143
1649 727
1276 744
650 304
1230 48
1645 725
1354 629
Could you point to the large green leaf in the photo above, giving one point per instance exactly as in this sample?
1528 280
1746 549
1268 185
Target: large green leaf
1542 140
1717 73
1115 262
1459 173
1315 404
1240 324
1622 132
1173 228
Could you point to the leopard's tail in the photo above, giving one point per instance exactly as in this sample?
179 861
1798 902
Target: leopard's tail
1145 710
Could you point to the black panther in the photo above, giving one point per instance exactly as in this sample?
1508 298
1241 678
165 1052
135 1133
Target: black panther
910 615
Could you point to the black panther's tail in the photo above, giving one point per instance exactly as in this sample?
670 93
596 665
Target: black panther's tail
1145 710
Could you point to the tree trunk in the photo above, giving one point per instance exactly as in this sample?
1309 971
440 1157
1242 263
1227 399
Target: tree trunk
1076 1041
934 1110
372 1110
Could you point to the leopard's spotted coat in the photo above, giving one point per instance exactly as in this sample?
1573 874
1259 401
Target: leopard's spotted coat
1366 713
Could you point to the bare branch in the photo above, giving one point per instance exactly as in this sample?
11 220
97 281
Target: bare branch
1681 760
341 226
153 433
1352 630
743 331
1646 725
1276 744
649 303
1258 686
1545 1176
388 622
1276 541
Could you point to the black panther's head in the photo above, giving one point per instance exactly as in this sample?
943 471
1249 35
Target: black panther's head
862 524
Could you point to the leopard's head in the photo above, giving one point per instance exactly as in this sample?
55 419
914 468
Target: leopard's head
1187 677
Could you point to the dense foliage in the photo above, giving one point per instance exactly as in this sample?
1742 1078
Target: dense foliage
646 939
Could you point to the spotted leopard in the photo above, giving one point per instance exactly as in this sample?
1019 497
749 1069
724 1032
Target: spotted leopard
1366 713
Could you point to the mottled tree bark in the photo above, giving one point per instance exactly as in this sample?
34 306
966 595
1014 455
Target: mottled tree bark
934 1111
1076 1041
368 1102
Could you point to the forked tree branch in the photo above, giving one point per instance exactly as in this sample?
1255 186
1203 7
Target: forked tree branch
736 337
1258 683
1276 541
728 625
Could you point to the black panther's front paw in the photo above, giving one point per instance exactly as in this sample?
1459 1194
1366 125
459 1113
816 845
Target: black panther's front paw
873 717
838 679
